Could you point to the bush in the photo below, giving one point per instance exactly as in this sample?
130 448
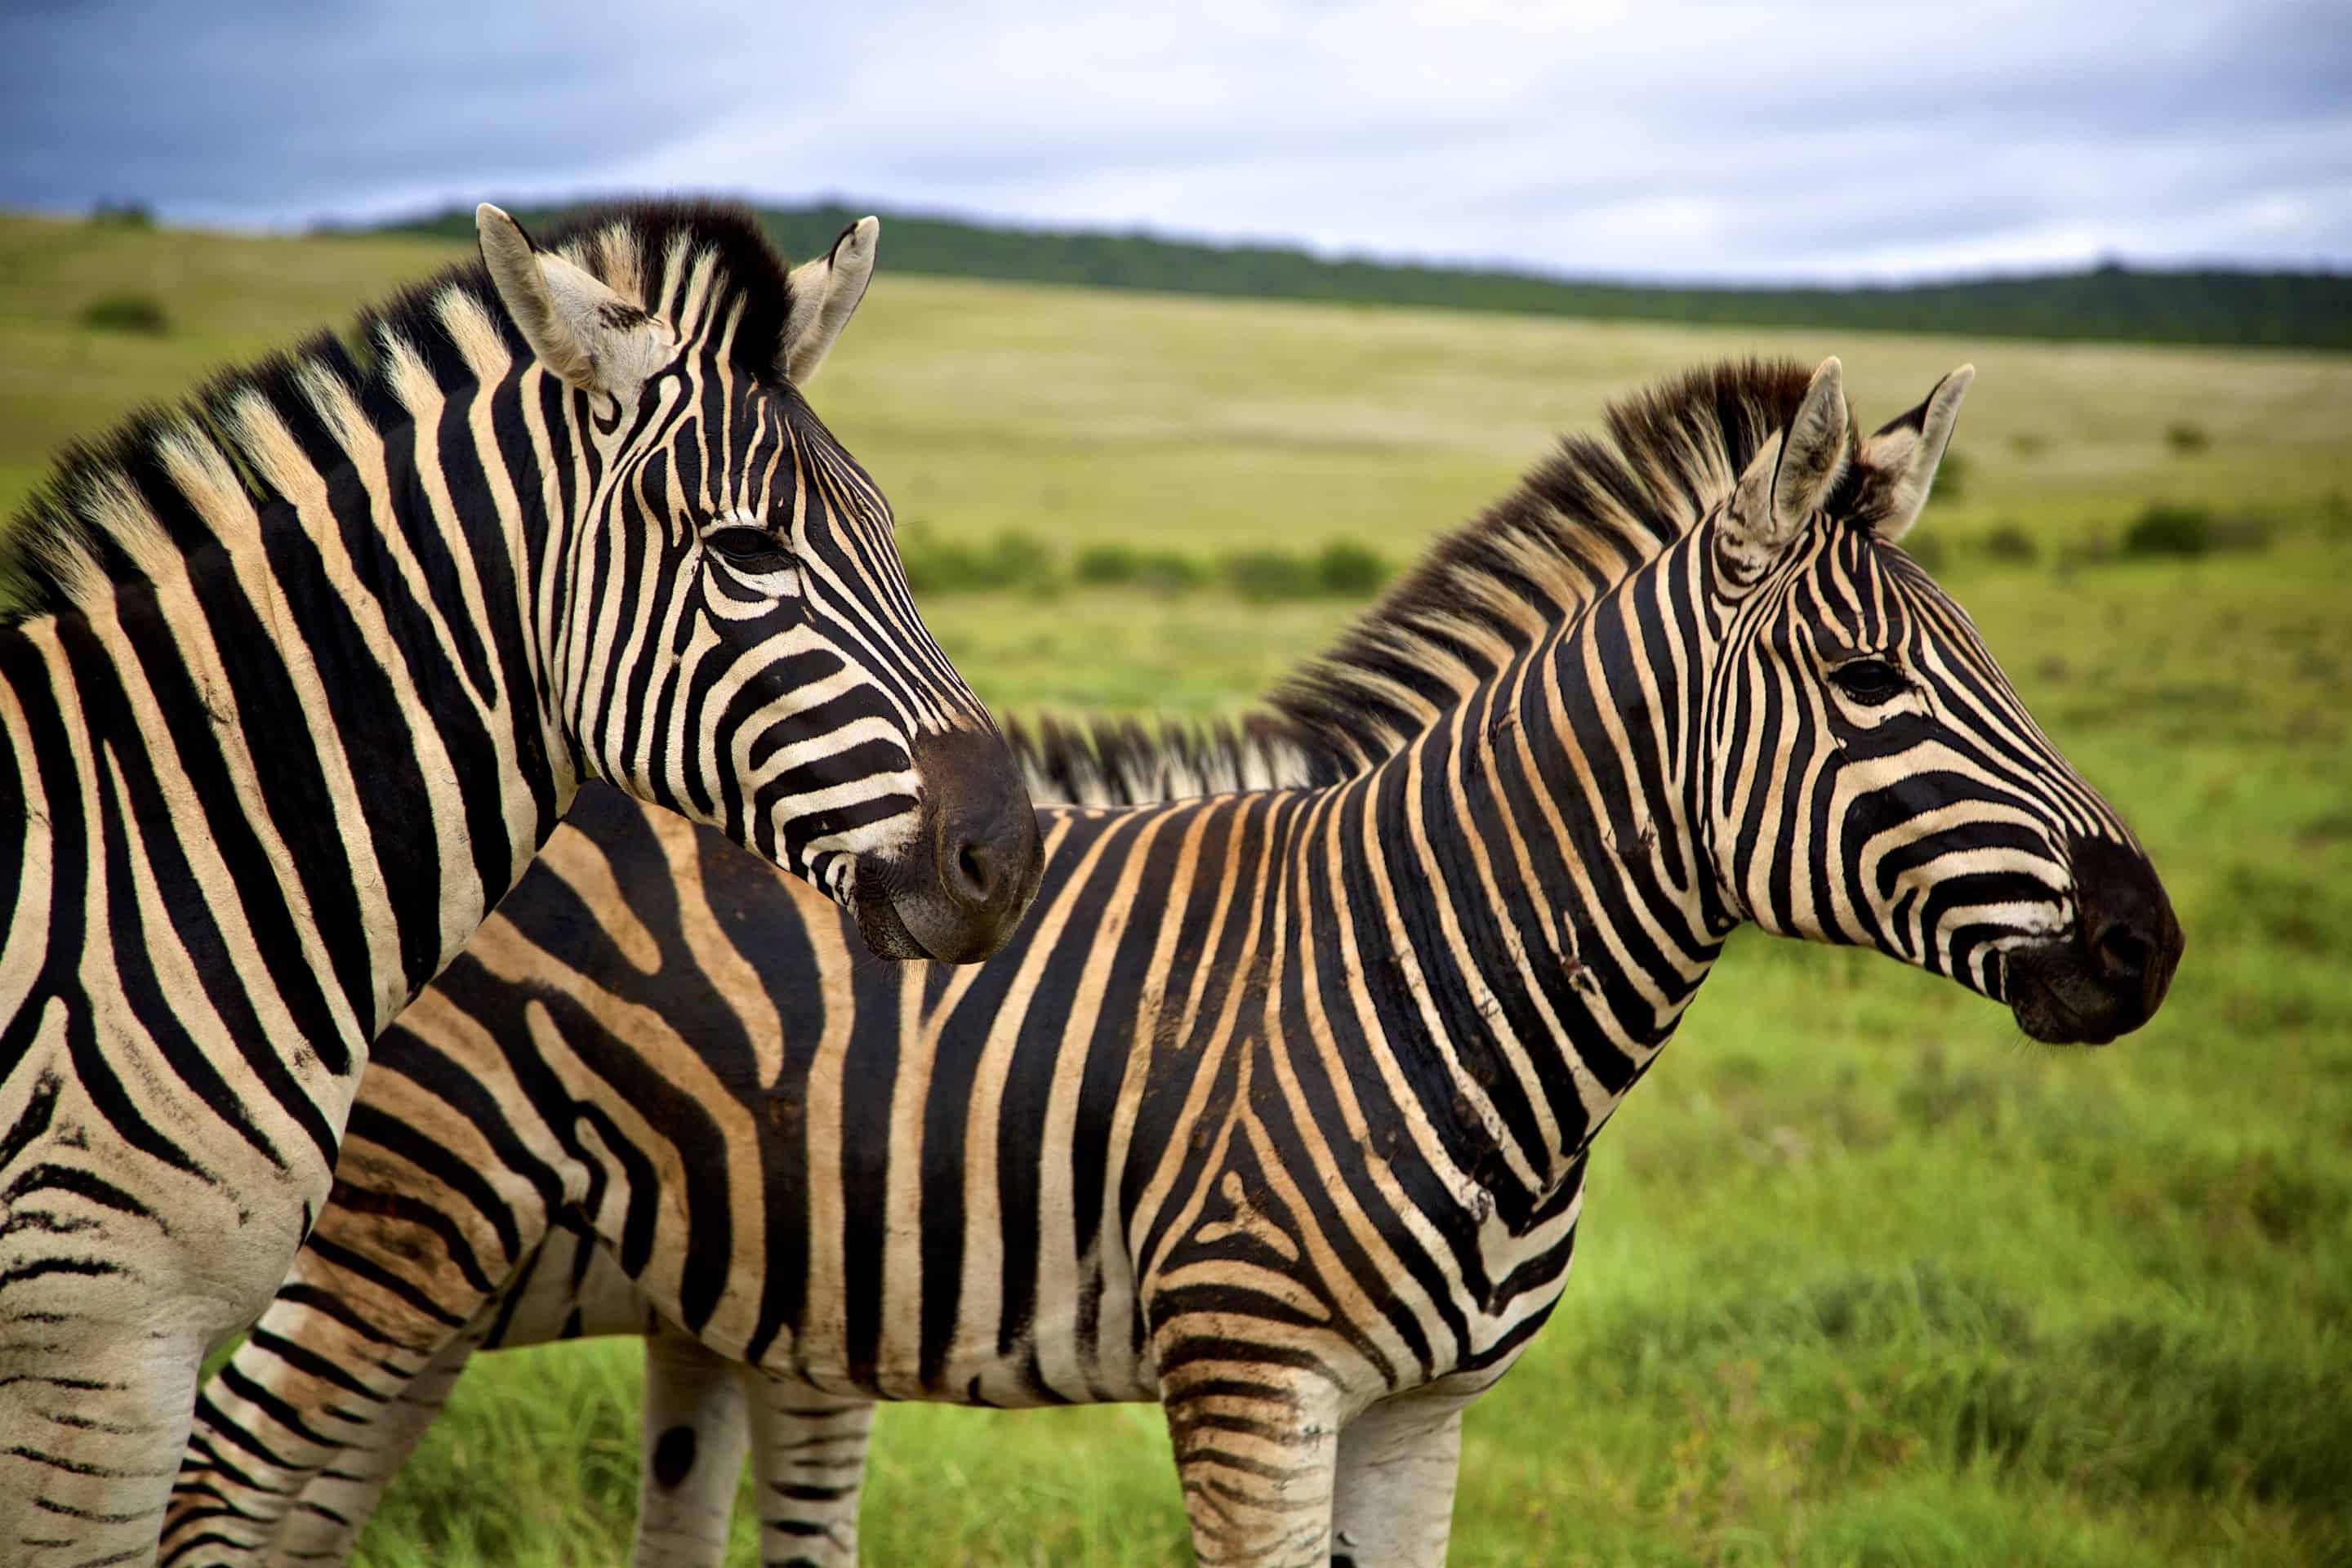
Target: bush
141 313
2029 443
1259 574
2185 440
123 215
1926 549
1020 560
1009 561
2008 541
1110 563
1348 569
2164 528
1951 478
1167 571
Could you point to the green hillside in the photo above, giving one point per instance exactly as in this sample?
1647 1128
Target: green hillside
2114 303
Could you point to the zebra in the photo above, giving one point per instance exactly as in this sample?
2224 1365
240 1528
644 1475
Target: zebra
300 674
1277 1109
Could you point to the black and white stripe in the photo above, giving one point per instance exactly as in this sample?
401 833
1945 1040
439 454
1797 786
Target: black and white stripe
1276 1110
300 675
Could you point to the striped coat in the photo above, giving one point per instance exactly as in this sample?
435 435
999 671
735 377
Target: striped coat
299 676
1277 1109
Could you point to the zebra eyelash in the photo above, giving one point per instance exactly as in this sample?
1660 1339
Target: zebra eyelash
1870 679
740 541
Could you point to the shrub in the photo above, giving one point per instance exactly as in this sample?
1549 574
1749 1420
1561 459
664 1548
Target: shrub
1010 561
2164 528
2029 443
123 215
1167 571
1259 574
936 568
1926 549
1951 478
2185 439
1349 570
141 313
1021 561
2009 541
1108 564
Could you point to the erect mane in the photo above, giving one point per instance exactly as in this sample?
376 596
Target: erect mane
1121 762
1579 522
173 478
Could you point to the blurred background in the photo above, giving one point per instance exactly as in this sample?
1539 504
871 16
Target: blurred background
1189 330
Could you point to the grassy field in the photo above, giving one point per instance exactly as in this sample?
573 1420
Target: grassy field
1866 1278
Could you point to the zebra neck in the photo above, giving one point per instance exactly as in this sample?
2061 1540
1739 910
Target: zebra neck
332 724
1547 910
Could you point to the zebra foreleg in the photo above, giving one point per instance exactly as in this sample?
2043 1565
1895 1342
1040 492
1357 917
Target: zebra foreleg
1256 1448
367 1311
324 1524
92 1418
1394 1506
691 1453
107 1311
809 1461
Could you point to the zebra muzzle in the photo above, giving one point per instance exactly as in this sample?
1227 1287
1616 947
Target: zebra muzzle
957 893
2109 974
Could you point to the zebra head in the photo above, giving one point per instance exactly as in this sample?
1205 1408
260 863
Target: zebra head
741 646
1873 778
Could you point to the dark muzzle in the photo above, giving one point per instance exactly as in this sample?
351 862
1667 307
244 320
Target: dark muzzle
2110 975
959 892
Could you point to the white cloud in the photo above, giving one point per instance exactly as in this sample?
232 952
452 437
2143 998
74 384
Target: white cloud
1727 139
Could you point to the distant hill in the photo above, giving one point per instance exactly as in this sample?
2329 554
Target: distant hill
2278 310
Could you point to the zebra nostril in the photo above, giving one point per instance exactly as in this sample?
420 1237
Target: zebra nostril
2123 950
970 874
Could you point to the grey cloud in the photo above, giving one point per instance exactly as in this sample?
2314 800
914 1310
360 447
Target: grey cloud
1725 139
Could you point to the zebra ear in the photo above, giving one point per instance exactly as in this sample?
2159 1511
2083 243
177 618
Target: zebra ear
581 330
1794 473
1904 453
825 293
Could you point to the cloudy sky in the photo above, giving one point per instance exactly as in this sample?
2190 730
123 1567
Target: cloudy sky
1738 138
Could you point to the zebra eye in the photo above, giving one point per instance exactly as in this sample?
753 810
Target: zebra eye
752 551
1870 681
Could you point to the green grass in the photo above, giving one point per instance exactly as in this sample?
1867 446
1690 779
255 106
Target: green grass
1866 1278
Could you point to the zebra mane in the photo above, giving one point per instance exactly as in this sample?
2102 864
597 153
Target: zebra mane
1120 762
173 478
1577 523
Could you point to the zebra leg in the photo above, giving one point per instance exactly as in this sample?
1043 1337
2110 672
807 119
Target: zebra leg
324 1524
1256 1447
91 1417
116 1277
1394 1503
692 1441
808 1457
302 1391
371 1304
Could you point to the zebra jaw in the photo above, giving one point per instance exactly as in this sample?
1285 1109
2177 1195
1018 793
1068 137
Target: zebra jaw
868 900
